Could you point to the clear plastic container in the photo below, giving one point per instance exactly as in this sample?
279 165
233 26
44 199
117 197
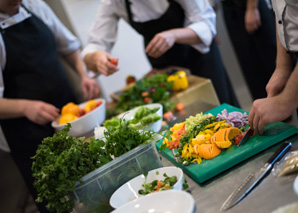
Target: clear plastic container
93 194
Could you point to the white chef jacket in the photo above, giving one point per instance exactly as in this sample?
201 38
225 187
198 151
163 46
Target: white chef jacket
65 40
287 23
199 16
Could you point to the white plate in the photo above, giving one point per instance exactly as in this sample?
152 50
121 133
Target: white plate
129 191
296 185
169 201
156 126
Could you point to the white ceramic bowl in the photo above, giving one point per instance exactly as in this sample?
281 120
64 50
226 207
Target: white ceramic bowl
156 126
84 125
170 201
129 191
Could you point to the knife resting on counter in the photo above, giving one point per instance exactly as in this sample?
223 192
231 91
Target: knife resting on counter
255 178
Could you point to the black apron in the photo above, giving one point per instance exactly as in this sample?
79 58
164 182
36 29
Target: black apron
207 65
33 72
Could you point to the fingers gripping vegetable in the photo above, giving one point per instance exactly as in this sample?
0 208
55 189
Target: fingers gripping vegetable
114 61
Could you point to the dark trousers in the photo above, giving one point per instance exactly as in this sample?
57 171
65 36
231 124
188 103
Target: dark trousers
256 52
210 65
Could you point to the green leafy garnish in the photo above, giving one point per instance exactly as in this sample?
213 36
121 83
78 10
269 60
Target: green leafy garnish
157 185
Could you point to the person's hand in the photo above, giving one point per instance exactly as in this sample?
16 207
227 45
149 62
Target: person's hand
268 110
90 88
40 112
277 82
160 43
99 62
252 20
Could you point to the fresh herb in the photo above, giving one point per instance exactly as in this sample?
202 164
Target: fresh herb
142 118
158 89
123 138
61 161
185 185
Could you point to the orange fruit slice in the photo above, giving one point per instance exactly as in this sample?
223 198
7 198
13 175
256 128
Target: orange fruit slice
232 132
223 144
208 151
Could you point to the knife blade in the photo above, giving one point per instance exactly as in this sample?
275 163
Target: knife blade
246 136
253 179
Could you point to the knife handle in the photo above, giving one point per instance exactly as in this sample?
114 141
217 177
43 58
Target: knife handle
280 153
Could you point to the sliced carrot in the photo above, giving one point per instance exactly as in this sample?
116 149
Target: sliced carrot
158 185
179 107
168 115
145 94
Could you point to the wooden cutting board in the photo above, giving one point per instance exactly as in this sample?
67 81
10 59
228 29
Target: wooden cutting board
273 134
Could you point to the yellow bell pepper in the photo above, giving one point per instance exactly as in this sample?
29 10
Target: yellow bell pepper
179 79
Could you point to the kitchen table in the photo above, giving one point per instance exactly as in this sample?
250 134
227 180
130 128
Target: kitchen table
271 194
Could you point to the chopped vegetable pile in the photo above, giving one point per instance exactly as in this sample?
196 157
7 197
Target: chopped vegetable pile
204 136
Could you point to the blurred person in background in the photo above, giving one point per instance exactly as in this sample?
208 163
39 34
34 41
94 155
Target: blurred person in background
176 33
282 88
250 25
33 83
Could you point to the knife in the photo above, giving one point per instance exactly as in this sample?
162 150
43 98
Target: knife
254 178
246 136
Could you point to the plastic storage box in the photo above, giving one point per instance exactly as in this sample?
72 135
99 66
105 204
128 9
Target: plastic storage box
94 192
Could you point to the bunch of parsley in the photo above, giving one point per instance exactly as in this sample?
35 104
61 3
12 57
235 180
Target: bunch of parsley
60 162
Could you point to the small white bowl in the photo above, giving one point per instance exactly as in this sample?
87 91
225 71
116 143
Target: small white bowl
129 191
156 126
173 201
84 125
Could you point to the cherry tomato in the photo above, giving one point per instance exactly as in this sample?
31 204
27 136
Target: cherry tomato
81 112
114 61
147 100
98 103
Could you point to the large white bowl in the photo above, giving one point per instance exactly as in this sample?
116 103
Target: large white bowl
170 201
84 125
156 126
129 191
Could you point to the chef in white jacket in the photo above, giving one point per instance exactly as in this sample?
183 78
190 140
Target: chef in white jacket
176 33
282 88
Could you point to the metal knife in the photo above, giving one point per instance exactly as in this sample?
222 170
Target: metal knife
253 178
246 136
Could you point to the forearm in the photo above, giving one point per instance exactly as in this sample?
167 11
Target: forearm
75 61
185 36
12 108
252 4
289 94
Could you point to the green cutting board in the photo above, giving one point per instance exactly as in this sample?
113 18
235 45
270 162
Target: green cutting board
273 134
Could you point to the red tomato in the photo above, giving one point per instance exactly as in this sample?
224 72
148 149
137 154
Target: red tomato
114 61
98 103
238 138
147 100
81 112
